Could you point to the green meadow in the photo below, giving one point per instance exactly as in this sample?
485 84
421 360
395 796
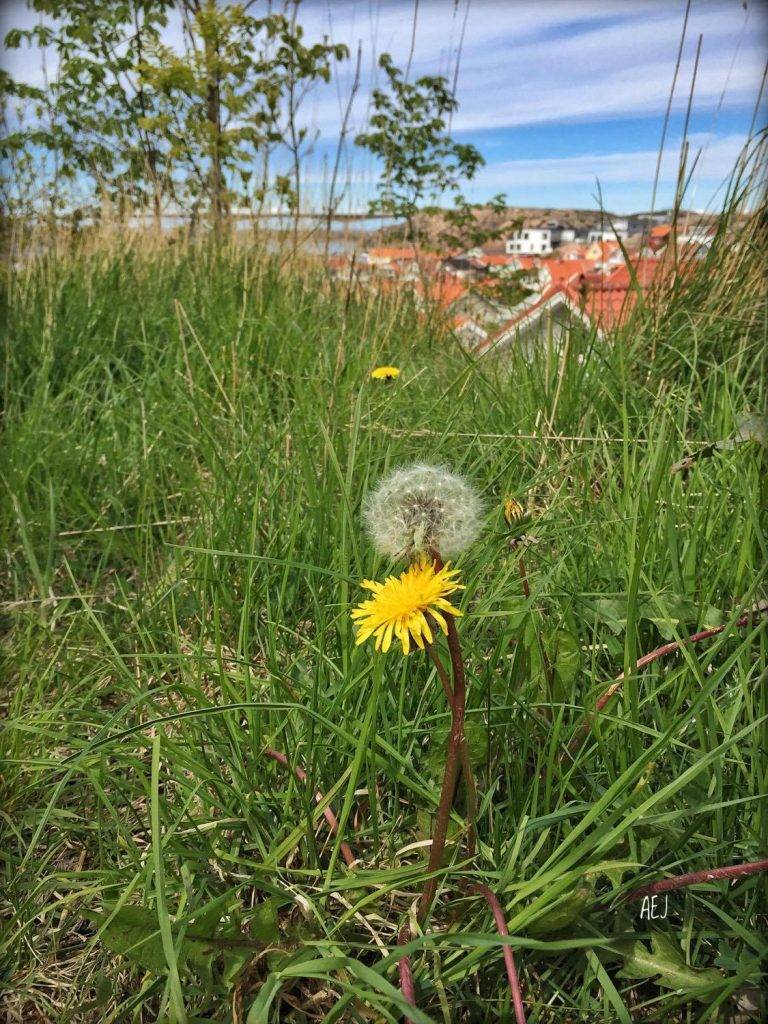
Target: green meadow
189 433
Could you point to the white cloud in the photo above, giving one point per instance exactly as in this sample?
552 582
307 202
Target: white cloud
718 156
533 63
525 62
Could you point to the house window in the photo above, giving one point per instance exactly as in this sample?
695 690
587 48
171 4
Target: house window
526 235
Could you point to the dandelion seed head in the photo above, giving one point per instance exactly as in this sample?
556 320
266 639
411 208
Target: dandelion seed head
421 509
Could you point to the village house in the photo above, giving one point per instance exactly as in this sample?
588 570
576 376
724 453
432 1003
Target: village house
544 317
531 287
601 251
530 241
698 237
572 251
387 256
560 234
609 230
463 265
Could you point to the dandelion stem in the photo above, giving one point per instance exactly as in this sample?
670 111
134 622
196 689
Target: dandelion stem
674 645
524 578
466 765
330 817
509 959
405 972
695 877
451 771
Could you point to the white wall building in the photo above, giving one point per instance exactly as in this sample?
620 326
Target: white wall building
562 235
530 242
607 231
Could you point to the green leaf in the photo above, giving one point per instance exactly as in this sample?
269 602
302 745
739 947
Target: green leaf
517 608
666 966
568 909
134 933
613 612
567 656
750 426
265 926
477 744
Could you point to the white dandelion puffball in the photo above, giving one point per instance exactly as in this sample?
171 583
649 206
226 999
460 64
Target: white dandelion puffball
421 509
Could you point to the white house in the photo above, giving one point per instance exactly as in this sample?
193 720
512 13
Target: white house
548 315
697 235
530 242
560 234
607 230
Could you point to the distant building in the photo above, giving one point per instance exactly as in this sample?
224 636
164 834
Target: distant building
571 251
560 233
530 241
609 230
646 219
698 235
601 250
548 314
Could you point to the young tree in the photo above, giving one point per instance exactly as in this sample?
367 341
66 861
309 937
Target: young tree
421 164
144 121
94 115
233 96
217 101
302 66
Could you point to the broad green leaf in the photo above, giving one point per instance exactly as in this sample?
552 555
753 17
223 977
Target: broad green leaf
665 964
265 926
569 909
134 933
613 612
567 656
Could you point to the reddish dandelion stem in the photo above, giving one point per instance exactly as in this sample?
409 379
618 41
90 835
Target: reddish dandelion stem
695 877
466 764
451 771
646 659
405 972
509 959
524 578
330 817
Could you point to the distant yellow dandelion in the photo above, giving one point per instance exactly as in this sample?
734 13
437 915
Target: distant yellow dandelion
402 606
513 510
385 373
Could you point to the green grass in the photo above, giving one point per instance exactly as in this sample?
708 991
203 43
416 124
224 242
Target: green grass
188 440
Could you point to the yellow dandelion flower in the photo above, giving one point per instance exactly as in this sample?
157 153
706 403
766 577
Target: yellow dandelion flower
385 373
513 510
403 606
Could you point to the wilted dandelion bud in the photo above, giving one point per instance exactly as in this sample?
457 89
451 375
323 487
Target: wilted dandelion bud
513 510
421 509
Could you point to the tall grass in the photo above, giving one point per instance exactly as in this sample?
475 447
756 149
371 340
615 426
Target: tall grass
188 436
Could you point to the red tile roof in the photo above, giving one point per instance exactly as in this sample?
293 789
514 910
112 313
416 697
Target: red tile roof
495 259
564 271
571 250
606 248
393 253
444 290
607 307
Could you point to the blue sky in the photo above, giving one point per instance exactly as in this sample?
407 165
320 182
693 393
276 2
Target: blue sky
556 94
